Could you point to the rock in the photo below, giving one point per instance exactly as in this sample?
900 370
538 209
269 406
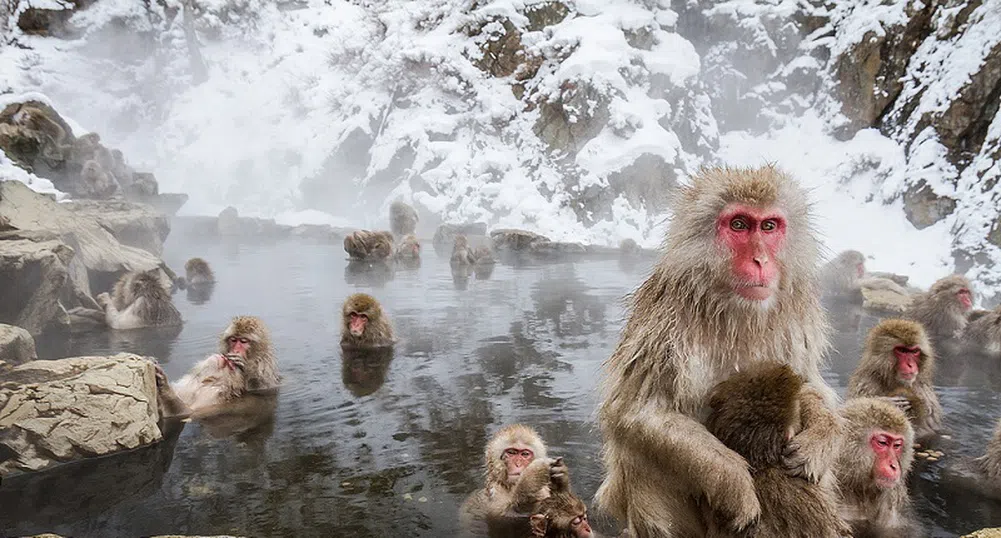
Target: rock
923 207
884 295
901 280
101 254
76 292
577 114
16 345
985 533
32 274
143 185
45 21
133 224
86 319
645 183
322 232
556 249
167 203
54 412
515 240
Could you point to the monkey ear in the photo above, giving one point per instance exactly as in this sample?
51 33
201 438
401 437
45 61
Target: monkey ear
538 522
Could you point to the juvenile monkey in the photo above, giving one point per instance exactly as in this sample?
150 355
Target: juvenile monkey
898 360
872 470
97 182
736 284
464 255
518 475
198 272
139 300
364 324
562 515
368 245
943 308
755 413
408 252
840 277
402 218
983 332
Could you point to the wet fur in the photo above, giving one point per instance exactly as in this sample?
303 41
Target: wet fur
368 245
139 300
939 310
874 512
683 337
402 218
261 367
198 272
209 384
752 413
876 374
378 331
983 332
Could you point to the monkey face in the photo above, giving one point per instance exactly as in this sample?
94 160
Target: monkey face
239 345
965 298
754 237
357 323
516 459
887 448
908 363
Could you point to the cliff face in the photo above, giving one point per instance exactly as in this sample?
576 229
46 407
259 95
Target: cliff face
574 119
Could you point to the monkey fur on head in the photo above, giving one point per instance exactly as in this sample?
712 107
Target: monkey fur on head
368 245
943 308
198 272
248 336
364 324
755 413
402 218
139 300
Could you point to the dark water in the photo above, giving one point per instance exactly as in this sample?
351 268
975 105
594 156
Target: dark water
391 448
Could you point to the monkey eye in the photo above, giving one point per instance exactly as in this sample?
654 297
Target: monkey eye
739 224
235 339
526 453
769 225
577 521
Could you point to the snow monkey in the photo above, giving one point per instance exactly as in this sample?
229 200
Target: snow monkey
519 474
755 413
464 255
872 470
198 273
943 308
368 245
364 324
402 218
562 515
736 284
97 181
983 332
245 363
898 360
840 276
139 299
408 252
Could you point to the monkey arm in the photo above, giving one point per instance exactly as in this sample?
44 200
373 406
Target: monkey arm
533 486
812 452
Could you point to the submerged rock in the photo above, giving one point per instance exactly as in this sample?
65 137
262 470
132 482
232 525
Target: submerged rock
59 411
16 345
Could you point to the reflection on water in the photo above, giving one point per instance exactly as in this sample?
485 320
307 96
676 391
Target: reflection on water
393 444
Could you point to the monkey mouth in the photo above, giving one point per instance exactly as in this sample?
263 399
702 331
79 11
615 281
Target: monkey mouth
754 291
885 483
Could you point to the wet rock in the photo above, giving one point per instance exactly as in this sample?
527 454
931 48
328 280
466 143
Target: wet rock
985 533
923 207
884 295
54 412
556 249
231 224
516 240
31 277
133 224
16 345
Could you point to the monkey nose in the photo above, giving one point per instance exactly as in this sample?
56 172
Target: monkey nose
761 260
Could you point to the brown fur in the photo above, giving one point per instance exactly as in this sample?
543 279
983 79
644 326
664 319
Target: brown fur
139 300
261 368
197 271
990 463
464 255
378 331
409 248
553 517
939 310
402 218
502 494
683 337
754 412
839 277
368 245
869 510
876 374
983 332
97 181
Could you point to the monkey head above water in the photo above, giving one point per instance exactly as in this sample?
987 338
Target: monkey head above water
943 308
364 324
198 272
137 300
247 337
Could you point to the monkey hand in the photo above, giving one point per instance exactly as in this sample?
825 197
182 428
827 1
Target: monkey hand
809 455
161 376
738 505
559 476
103 300
902 402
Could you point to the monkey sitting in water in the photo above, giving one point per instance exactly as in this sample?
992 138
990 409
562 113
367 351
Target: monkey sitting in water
368 245
364 324
139 300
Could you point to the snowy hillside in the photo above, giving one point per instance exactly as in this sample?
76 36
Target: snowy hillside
573 119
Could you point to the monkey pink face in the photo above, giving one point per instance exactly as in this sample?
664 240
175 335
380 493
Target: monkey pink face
888 449
357 323
754 237
516 459
580 527
907 362
860 270
238 345
965 298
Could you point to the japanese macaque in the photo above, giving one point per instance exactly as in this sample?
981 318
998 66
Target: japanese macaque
872 470
629 248
736 285
983 332
464 255
840 276
988 466
898 361
519 475
248 337
408 252
364 324
562 515
139 300
363 370
97 181
755 413
402 218
368 245
943 308
198 273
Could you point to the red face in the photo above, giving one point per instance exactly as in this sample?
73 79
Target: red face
860 270
516 459
965 298
357 323
754 237
907 362
887 448
238 345
580 527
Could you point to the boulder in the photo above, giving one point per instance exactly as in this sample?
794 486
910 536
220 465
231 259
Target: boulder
557 249
231 224
884 295
516 240
76 292
322 232
133 224
59 411
16 345
923 207
32 275
985 533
